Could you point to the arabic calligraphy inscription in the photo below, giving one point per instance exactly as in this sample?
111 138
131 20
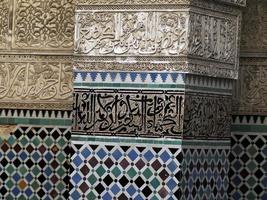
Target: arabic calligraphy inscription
127 112
132 33
35 81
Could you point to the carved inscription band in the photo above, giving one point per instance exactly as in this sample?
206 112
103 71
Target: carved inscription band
131 112
156 33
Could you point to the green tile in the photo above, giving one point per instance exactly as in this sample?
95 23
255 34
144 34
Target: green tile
91 196
35 185
100 171
36 171
61 172
24 141
49 141
60 186
36 141
10 184
131 172
147 173
10 169
155 183
92 179
23 170
116 172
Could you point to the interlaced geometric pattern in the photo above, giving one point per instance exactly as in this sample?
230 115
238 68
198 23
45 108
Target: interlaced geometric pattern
205 174
34 163
248 170
125 171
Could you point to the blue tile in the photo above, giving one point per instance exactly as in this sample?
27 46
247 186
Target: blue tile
165 156
113 75
149 155
101 153
123 75
76 178
132 155
153 76
164 76
117 154
28 192
174 76
131 190
133 76
93 75
143 76
107 196
103 75
77 160
85 152
115 189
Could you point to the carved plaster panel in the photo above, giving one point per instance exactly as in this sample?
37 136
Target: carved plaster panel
181 38
4 21
43 24
254 28
250 95
207 115
134 33
39 83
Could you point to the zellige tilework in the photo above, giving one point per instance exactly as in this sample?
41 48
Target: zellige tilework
34 163
110 170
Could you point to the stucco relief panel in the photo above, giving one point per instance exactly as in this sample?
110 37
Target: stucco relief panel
251 89
35 82
213 37
43 24
157 33
4 20
254 28
132 33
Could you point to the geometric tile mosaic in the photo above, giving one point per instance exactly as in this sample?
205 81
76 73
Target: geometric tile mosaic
34 163
248 169
205 173
101 170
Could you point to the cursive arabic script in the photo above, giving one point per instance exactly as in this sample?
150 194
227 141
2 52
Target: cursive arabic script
35 81
132 33
127 112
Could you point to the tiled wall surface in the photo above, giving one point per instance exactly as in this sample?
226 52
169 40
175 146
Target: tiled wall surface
34 162
248 161
121 168
205 170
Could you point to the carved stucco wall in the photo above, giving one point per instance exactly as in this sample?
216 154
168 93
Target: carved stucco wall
251 90
31 34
